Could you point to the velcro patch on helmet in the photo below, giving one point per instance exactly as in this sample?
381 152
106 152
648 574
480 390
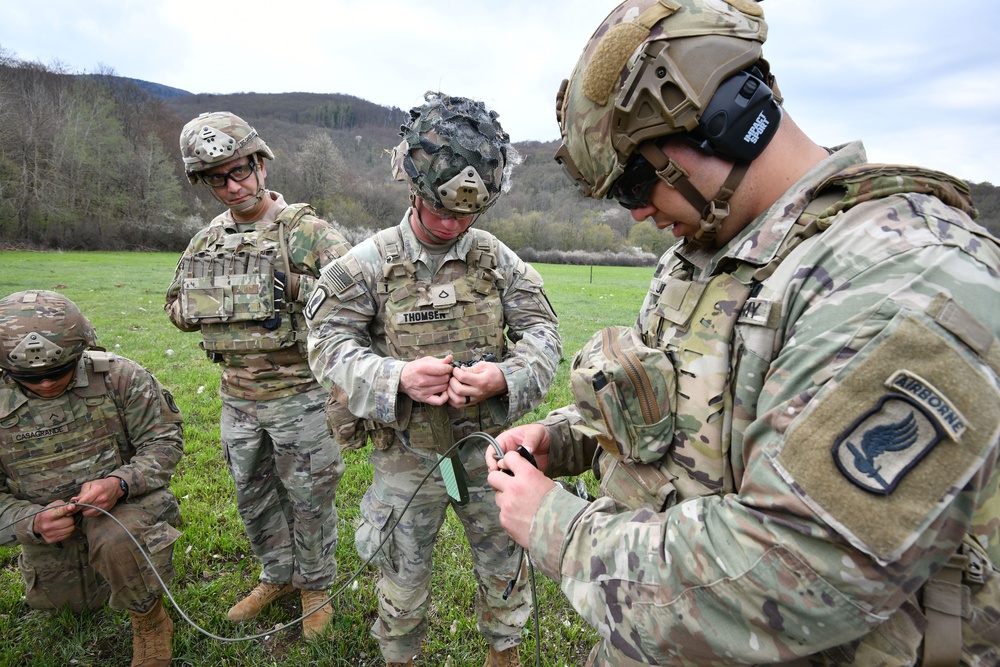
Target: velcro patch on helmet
605 68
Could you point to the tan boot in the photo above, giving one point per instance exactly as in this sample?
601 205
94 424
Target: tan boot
509 658
152 637
314 624
258 598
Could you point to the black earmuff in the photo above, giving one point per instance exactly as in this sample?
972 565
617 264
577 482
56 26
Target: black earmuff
739 120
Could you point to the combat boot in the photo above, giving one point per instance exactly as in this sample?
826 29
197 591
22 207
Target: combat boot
509 658
258 598
314 624
152 637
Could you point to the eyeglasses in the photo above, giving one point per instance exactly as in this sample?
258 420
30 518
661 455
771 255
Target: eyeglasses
237 174
635 186
52 374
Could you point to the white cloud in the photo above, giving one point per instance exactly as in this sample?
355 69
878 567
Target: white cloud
915 79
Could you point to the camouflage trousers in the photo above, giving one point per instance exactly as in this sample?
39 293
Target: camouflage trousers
99 564
406 557
286 468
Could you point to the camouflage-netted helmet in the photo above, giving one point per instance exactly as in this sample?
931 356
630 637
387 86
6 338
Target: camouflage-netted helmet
216 137
454 154
41 331
650 70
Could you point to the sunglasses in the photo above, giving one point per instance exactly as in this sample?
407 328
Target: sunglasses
635 186
51 374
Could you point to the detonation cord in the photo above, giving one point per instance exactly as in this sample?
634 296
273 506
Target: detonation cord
353 577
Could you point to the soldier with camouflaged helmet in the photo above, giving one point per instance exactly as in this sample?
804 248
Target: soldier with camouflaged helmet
242 283
797 440
81 425
433 330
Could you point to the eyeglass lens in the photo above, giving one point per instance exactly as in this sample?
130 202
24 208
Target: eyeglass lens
237 174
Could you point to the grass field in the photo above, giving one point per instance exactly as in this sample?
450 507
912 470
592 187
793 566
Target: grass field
122 294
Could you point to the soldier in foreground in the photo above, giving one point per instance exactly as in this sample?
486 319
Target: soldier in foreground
805 471
80 425
242 282
435 330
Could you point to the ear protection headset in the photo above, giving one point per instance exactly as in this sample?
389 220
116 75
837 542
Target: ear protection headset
739 120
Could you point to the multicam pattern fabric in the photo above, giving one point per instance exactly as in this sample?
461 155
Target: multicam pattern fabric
312 243
42 330
445 136
286 469
593 143
274 435
881 318
348 347
217 137
117 420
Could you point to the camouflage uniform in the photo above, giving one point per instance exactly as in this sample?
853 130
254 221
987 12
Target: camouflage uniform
114 420
349 348
856 436
274 434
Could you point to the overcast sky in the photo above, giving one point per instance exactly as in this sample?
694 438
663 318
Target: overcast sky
917 80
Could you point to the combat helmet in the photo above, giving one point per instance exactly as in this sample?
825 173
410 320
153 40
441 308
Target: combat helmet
454 155
42 334
216 137
661 68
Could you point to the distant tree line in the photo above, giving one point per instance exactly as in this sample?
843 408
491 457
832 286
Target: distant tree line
91 161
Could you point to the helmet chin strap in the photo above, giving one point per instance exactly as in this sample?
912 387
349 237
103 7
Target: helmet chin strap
712 212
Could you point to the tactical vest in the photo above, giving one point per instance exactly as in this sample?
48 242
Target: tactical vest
237 294
51 447
457 312
693 324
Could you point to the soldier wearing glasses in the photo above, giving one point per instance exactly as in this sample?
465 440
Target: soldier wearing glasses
242 282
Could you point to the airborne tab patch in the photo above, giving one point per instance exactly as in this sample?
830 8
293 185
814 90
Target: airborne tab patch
877 451
934 401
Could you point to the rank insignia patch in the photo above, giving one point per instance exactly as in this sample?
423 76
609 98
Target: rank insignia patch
885 443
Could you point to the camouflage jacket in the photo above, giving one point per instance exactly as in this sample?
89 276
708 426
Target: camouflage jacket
347 342
142 432
884 316
312 243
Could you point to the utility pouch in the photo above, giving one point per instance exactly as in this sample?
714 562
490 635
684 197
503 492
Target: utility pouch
346 430
625 393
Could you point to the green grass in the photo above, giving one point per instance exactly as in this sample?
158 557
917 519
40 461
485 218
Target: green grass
122 294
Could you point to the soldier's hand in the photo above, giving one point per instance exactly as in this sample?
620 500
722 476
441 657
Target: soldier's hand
532 437
471 384
425 380
519 495
56 524
103 493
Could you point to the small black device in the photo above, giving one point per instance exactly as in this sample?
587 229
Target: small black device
526 455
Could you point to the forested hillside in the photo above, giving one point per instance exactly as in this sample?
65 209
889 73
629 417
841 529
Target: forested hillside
92 162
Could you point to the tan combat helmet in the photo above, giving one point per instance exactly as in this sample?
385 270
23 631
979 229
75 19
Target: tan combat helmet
658 68
42 335
217 137
454 155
